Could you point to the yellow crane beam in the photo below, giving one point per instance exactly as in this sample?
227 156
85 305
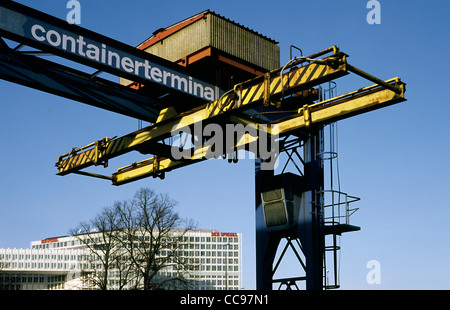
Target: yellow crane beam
265 90
318 114
268 90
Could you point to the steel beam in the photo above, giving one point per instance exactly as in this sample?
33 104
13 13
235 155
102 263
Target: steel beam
320 114
310 230
246 95
266 243
307 229
69 83
50 34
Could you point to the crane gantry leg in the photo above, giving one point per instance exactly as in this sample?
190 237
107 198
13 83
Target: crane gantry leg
303 217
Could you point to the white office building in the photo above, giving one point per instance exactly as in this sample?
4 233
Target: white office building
64 263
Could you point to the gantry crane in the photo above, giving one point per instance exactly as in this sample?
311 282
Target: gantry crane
287 206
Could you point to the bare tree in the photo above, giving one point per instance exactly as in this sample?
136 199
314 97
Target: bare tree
99 236
140 242
154 234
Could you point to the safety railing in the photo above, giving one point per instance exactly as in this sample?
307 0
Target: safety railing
338 210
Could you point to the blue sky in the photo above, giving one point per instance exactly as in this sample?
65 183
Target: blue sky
395 159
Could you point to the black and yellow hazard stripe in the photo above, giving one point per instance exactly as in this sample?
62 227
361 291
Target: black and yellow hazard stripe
290 80
77 160
274 84
90 156
253 93
115 146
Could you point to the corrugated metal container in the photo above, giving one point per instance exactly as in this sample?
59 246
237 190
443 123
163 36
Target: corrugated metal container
242 43
213 30
182 43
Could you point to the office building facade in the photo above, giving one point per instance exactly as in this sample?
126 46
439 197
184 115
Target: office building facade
65 263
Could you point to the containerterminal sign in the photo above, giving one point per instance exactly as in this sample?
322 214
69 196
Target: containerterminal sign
76 43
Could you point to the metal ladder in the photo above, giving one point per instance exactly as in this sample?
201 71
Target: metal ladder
335 206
